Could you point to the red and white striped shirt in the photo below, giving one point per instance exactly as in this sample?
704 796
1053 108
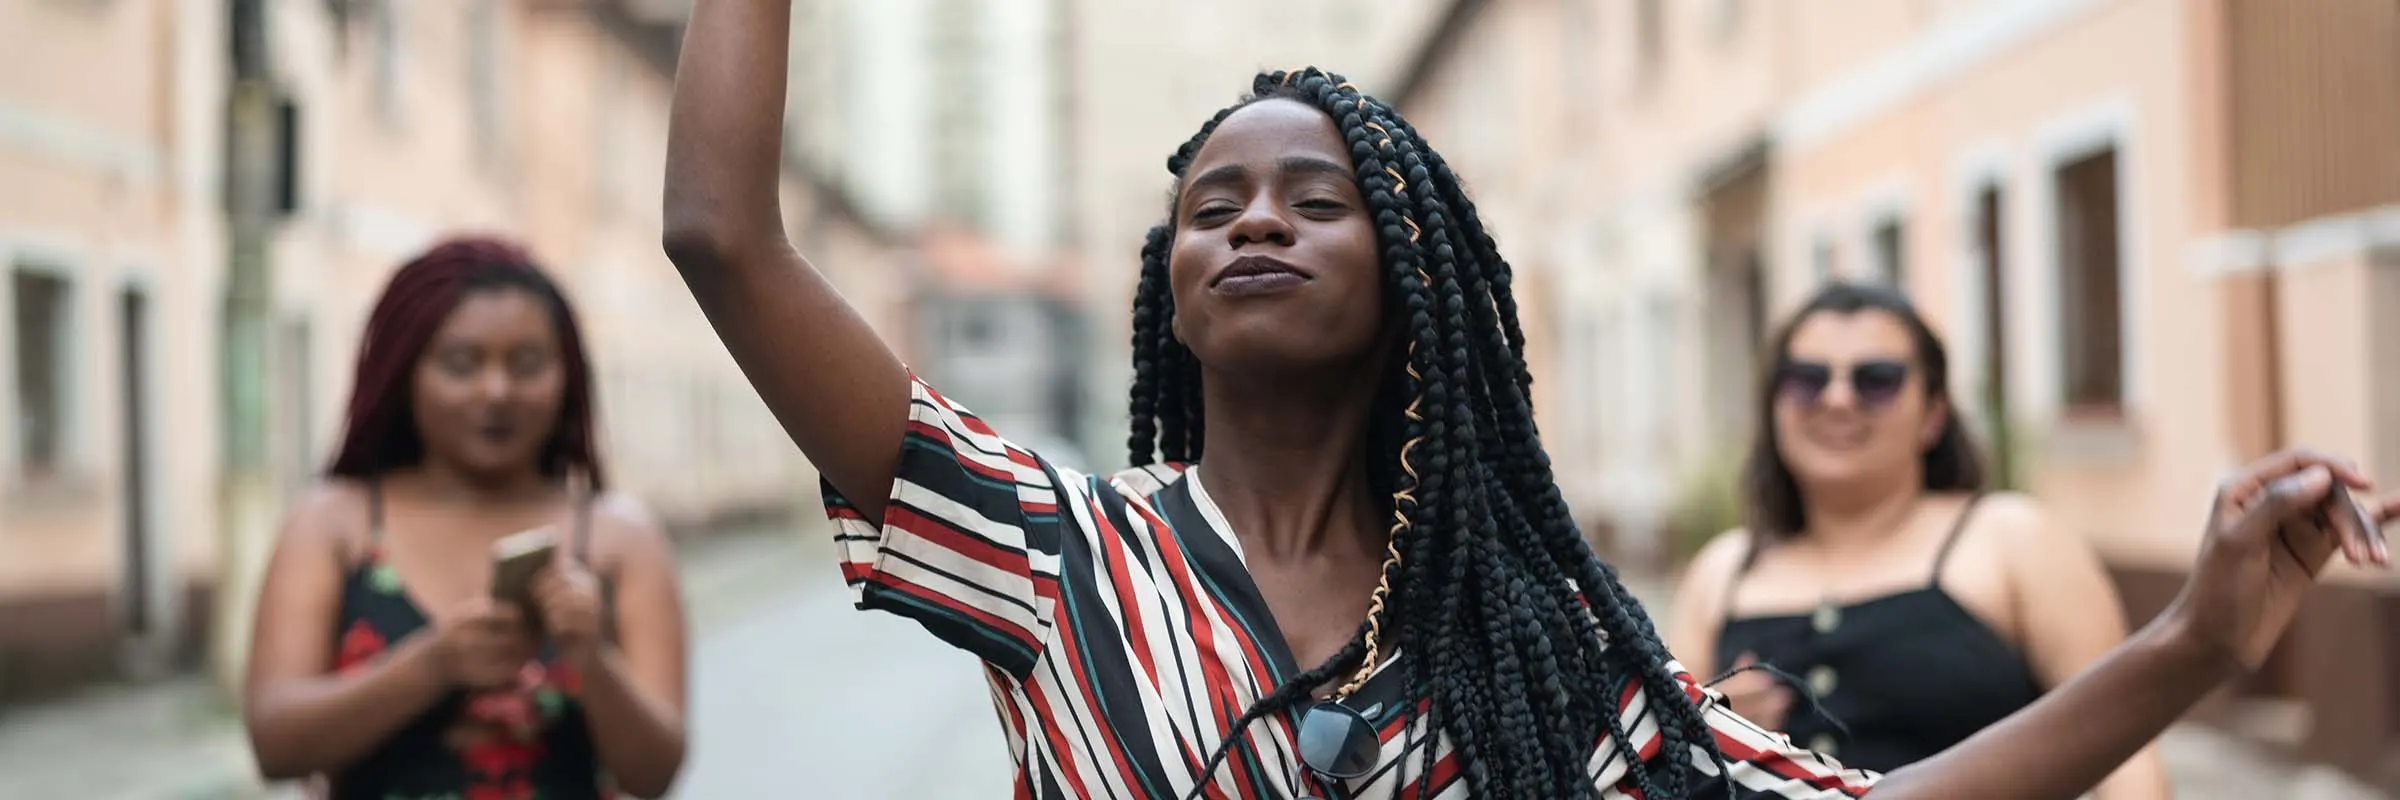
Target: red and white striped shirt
1122 635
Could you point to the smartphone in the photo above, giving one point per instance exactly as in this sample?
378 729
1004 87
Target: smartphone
516 559
2371 534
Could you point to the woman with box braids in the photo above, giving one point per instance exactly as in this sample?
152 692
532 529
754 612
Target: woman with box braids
1485 558
1339 565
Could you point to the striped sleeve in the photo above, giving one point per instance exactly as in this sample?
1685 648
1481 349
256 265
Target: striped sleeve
968 543
1764 764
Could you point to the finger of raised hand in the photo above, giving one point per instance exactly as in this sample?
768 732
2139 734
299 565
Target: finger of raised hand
2294 498
2308 541
2370 518
2348 524
2256 477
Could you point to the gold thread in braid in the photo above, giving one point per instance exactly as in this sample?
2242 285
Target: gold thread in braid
1391 545
1383 144
1383 589
1391 548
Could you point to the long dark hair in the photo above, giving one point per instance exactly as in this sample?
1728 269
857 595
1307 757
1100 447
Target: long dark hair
380 433
1952 464
1486 561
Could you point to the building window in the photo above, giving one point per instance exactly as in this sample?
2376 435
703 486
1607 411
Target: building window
40 326
2091 310
1576 47
483 78
1663 317
960 54
611 86
386 31
1729 18
287 156
1650 24
1890 239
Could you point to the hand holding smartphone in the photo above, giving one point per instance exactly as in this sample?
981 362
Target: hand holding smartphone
516 559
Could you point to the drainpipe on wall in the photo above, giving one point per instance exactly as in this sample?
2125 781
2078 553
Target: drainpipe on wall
247 500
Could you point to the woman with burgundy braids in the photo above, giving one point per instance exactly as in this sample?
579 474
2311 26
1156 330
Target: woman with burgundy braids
380 665
1339 566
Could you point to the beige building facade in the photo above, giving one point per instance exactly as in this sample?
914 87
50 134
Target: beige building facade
2157 236
409 121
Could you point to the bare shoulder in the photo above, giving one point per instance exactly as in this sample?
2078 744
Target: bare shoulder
1724 553
1716 562
2018 522
2017 526
625 511
624 526
329 511
1700 597
2015 511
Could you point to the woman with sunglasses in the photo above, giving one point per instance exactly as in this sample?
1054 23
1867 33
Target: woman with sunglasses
1914 608
1341 567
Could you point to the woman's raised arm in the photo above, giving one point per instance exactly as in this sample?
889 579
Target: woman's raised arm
834 385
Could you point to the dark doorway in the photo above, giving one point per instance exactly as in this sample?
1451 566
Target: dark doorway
133 331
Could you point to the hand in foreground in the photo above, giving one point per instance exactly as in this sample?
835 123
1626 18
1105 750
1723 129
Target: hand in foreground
481 644
1756 695
2275 526
568 599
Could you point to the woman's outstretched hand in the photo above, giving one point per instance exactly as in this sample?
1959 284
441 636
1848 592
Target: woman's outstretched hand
2275 526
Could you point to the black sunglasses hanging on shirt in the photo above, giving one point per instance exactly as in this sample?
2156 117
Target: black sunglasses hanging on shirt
1337 742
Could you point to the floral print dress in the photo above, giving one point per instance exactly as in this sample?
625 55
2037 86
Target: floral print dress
524 742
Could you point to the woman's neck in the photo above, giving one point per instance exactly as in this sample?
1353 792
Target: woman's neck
455 487
1838 519
1287 465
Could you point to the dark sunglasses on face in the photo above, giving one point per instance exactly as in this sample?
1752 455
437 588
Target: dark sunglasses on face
1874 382
1337 742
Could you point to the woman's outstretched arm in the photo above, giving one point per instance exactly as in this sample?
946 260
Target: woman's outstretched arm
2274 528
837 389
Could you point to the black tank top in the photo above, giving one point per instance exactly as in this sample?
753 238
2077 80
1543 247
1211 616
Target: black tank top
526 741
1910 673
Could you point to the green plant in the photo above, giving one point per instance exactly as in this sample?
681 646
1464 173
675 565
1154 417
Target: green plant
1708 501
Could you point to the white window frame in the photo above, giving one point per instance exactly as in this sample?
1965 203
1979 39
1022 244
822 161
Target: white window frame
58 258
2064 139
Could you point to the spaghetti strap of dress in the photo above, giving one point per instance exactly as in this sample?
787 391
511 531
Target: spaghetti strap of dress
1965 514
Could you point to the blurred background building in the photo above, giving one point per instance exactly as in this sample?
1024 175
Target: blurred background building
387 125
2156 234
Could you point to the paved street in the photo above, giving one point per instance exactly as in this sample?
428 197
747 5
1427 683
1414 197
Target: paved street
795 694
813 698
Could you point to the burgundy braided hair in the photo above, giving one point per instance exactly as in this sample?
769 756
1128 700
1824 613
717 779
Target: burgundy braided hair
380 434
